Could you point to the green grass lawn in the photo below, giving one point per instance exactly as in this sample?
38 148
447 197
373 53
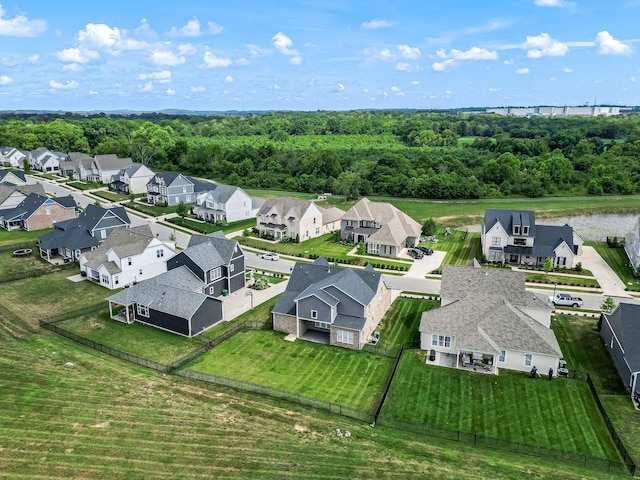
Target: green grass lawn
206 227
351 378
617 259
550 278
111 196
625 421
21 236
560 414
31 264
138 339
153 210
461 247
84 186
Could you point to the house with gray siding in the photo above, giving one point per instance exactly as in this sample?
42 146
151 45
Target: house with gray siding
512 236
327 304
620 330
488 321
171 188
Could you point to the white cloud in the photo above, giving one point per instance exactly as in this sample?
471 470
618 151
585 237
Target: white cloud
508 62
633 79
444 66
187 49
452 58
72 67
5 80
191 29
607 45
522 71
493 89
255 51
567 70
550 3
147 87
170 91
163 77
415 82
214 28
544 46
99 35
376 23
340 87
228 79
166 58
92 92
242 61
283 44
20 26
412 53
212 61
77 55
403 67
35 58
295 60
198 88
276 86
63 86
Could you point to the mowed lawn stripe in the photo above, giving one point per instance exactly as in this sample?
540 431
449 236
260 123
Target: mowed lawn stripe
265 358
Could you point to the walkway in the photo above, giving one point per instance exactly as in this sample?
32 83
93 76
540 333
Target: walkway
241 301
611 284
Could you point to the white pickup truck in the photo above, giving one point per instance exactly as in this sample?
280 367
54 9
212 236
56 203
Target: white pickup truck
566 300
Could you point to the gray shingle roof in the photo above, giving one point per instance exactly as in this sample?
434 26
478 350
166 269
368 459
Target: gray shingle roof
509 218
211 251
7 190
32 203
625 321
396 226
111 162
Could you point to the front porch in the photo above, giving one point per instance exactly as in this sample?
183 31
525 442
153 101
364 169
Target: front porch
277 231
463 360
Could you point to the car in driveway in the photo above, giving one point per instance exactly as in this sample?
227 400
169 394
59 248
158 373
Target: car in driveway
271 256
415 253
426 250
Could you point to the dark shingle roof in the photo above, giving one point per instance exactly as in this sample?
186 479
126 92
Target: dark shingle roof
17 173
625 321
509 218
32 203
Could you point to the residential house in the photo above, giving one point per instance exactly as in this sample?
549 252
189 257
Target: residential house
71 238
488 321
12 195
37 212
171 188
296 219
12 177
632 245
126 257
44 160
183 300
620 330
225 203
132 179
384 229
337 306
71 165
106 166
512 236
12 157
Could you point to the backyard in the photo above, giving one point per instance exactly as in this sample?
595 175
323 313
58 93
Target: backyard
618 260
461 246
21 236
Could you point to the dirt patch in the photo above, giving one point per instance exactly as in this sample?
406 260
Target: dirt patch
76 426
301 428
290 412
68 451
102 425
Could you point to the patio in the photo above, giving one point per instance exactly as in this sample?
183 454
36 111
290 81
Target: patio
481 363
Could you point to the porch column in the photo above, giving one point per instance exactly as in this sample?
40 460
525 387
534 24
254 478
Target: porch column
458 359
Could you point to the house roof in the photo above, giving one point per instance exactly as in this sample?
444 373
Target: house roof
77 156
396 225
219 192
211 251
5 173
508 218
330 215
7 190
284 205
172 292
167 177
625 322
111 162
32 203
487 312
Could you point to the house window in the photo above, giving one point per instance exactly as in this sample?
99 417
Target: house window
232 267
528 359
348 223
215 274
47 211
496 241
516 229
323 325
440 340
345 336
387 249
160 253
503 356
184 189
292 222
314 220
525 230
314 314
519 241
116 280
373 248
129 261
103 234
105 279
211 290
317 230
140 272
142 310
562 261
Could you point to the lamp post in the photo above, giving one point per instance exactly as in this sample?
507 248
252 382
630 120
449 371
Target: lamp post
250 294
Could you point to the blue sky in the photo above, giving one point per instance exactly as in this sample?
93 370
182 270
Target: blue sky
316 54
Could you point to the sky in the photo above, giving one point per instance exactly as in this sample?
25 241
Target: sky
316 54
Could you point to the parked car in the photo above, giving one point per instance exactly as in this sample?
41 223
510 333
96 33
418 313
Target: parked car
271 256
415 253
566 300
426 250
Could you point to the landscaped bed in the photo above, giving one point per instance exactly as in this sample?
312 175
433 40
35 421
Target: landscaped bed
560 414
206 227
351 378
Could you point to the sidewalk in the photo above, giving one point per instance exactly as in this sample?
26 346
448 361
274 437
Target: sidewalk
239 302
611 284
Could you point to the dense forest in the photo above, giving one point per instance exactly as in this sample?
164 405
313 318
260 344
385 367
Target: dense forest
397 153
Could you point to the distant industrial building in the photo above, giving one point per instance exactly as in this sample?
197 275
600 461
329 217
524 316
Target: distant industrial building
550 111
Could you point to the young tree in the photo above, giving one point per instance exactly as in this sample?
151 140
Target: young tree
26 166
429 227
182 210
548 265
608 305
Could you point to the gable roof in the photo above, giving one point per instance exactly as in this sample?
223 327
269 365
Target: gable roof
32 203
284 206
5 174
396 225
487 312
211 251
111 162
219 192
508 218
625 322
7 190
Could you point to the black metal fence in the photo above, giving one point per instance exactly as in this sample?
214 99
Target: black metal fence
17 246
626 458
475 440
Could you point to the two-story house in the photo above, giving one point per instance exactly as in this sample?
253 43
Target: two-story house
12 177
512 236
44 160
327 304
132 179
632 245
296 219
384 229
227 203
487 321
37 212
11 195
12 157
126 257
71 238
171 188
106 166
184 299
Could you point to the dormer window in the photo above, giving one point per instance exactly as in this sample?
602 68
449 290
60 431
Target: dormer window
516 229
525 230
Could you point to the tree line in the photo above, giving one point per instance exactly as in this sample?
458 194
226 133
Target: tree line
398 153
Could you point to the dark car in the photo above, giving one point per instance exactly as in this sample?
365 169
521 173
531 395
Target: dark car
415 253
425 250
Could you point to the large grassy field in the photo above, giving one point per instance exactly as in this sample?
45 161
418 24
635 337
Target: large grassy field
617 259
20 236
560 414
10 265
70 412
339 375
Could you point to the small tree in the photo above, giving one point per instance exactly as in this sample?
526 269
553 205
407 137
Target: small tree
26 166
246 233
70 176
182 210
608 305
579 267
548 265
97 203
429 227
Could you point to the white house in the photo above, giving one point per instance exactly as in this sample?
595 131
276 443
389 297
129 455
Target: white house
12 177
127 256
12 156
225 202
632 245
46 161
132 179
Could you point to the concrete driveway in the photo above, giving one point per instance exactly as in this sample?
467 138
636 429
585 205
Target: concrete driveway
425 265
611 284
241 301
